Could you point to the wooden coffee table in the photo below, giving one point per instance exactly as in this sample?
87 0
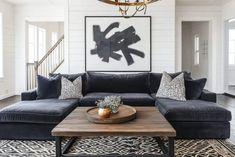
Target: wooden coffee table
149 122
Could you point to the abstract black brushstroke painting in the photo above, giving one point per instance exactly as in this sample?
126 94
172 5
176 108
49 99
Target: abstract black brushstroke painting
118 44
106 48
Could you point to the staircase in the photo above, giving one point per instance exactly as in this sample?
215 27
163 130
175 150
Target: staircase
48 64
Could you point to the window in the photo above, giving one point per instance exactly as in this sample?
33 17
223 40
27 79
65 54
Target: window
1 46
32 44
36 43
54 38
232 46
41 42
196 49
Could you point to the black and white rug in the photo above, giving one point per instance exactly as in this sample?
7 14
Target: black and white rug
118 145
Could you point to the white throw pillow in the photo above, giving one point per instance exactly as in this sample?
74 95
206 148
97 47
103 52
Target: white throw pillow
71 89
172 88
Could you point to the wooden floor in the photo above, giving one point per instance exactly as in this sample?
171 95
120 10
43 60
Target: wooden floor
9 101
228 103
224 101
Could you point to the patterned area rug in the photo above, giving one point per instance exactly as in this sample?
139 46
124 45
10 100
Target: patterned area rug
118 145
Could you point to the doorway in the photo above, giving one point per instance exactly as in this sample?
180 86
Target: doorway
195 41
230 57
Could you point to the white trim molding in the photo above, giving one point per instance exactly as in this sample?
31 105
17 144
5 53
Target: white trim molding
215 62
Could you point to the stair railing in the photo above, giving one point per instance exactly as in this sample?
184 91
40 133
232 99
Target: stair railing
49 63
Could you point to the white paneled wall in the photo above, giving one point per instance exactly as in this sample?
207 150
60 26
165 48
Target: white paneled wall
7 82
163 32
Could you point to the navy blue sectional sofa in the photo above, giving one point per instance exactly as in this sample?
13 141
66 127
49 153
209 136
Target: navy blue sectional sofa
34 119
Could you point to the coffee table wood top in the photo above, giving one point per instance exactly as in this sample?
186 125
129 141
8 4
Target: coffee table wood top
149 122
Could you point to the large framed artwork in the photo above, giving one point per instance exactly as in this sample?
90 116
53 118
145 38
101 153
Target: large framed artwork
118 44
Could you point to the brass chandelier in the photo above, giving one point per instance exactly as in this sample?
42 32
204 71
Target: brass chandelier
124 5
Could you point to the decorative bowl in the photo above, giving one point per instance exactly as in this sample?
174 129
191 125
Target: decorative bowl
104 112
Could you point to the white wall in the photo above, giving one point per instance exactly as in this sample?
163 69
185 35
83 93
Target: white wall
163 32
7 83
213 15
30 13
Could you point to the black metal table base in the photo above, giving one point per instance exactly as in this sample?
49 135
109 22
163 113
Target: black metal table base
62 152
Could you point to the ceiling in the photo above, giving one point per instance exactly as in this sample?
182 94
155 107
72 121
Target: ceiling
178 2
36 2
202 2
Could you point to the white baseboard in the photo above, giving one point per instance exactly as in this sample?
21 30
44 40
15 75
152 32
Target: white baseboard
6 96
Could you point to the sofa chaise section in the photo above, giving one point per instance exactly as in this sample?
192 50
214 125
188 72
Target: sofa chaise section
34 119
196 118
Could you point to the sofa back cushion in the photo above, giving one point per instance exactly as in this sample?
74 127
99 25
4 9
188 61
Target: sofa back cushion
118 83
155 79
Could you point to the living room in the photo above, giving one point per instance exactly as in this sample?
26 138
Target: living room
171 61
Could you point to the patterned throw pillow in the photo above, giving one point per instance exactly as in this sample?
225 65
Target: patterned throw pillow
71 89
172 88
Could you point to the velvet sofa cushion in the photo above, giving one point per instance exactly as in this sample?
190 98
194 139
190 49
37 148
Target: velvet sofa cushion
72 77
118 83
194 88
192 110
208 96
48 111
48 87
155 79
133 99
29 95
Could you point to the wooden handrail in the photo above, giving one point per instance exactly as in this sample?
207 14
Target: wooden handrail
57 66
51 50
49 63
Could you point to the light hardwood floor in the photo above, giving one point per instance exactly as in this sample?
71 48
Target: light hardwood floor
224 101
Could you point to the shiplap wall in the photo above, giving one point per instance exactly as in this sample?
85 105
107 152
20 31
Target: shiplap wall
7 82
163 32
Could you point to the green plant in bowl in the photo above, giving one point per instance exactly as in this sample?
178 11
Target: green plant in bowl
112 102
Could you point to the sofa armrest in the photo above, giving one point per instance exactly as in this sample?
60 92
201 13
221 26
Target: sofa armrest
29 95
208 96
